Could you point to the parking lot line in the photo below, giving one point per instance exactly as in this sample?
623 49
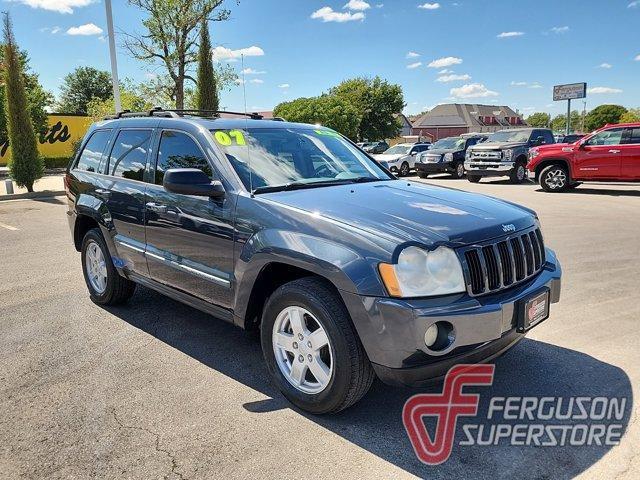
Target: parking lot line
8 227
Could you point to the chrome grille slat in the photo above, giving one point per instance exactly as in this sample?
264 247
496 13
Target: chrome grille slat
494 266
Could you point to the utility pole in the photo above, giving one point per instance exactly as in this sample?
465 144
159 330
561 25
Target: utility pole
584 114
112 54
568 129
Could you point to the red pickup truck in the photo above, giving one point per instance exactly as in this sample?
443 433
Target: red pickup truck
609 154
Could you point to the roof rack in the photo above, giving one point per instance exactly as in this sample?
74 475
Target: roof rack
177 113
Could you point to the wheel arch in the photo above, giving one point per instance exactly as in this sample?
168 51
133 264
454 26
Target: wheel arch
552 161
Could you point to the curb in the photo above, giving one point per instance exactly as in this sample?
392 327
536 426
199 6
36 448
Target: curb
43 194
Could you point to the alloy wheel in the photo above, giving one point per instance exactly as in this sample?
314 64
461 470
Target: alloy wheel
520 173
556 179
460 170
302 350
96 267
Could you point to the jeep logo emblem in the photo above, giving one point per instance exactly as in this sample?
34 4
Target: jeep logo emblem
510 227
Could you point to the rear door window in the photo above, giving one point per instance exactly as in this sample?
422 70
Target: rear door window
91 155
128 157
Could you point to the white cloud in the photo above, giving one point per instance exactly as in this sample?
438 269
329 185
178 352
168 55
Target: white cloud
87 29
223 53
444 71
472 90
535 85
429 6
379 5
453 78
564 29
445 62
60 6
411 66
605 65
518 84
327 14
52 30
634 4
603 90
637 59
251 71
284 85
510 34
256 80
413 55
359 5
526 84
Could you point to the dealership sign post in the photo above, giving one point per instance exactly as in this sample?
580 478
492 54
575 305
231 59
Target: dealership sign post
568 92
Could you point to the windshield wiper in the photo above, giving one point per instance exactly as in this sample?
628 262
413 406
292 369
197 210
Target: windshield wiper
299 186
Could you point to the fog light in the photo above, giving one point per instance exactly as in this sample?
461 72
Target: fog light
431 335
440 336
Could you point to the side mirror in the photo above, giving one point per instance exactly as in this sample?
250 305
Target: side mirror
191 181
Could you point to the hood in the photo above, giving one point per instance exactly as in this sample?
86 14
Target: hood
388 158
554 148
402 211
497 145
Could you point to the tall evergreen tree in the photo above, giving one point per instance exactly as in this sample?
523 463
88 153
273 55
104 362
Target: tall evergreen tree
26 165
207 83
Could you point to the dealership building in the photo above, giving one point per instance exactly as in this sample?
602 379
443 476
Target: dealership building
457 118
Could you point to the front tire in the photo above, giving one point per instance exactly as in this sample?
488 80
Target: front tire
473 178
106 286
311 348
404 169
458 171
554 178
519 173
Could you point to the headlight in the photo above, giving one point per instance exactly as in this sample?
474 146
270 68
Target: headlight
422 273
448 157
507 154
467 155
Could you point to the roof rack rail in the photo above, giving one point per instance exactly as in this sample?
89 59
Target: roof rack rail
176 113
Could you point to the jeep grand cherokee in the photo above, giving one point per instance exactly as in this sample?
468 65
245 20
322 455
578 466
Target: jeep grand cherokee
347 271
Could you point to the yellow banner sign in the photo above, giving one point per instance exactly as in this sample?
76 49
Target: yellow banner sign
57 141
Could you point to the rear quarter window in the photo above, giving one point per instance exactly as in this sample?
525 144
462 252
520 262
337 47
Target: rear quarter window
91 156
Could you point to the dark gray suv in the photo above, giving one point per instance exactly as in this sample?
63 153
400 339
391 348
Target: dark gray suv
288 228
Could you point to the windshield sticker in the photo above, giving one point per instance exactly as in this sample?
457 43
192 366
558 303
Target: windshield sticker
327 133
232 137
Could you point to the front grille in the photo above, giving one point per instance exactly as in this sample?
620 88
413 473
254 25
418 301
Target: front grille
486 155
496 266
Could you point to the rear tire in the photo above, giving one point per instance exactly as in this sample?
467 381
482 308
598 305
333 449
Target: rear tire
518 174
554 178
473 178
348 374
106 286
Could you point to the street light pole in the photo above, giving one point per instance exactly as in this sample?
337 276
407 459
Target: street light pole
112 54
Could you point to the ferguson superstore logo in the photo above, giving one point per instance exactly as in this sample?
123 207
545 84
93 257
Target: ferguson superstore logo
518 421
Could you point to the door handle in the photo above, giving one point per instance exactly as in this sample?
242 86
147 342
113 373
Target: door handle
103 192
614 151
156 207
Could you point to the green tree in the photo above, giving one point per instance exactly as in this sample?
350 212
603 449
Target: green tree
538 119
631 116
37 98
207 93
377 102
81 86
171 40
559 122
131 98
327 110
600 116
26 165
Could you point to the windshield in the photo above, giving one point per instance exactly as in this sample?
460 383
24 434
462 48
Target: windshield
510 136
398 150
449 143
273 157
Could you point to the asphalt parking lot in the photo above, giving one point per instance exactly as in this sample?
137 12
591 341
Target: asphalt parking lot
156 389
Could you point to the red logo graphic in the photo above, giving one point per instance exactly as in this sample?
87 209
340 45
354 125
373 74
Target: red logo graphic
447 407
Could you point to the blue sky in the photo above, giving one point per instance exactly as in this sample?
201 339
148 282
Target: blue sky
498 51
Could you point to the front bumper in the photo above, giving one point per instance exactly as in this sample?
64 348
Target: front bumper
432 167
488 169
392 330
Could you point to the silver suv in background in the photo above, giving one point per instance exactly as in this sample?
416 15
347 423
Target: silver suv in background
505 154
